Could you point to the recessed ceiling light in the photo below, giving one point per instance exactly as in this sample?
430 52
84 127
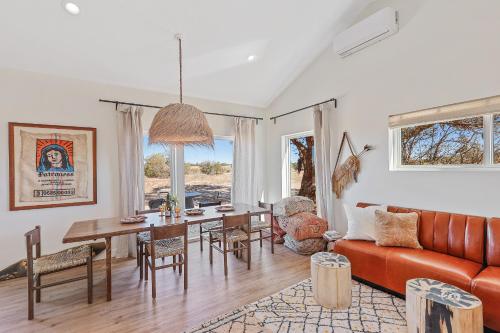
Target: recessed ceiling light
71 7
251 58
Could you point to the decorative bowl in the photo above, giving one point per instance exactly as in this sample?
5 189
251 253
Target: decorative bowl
133 219
224 208
194 211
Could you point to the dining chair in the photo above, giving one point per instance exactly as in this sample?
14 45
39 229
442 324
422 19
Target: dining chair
205 227
39 265
169 240
141 238
264 227
235 230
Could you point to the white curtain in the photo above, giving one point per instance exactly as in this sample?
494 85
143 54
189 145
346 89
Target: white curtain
131 168
245 187
323 115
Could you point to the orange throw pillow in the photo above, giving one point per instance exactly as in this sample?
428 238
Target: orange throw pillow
306 225
396 229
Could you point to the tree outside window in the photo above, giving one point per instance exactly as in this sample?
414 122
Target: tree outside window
456 142
302 175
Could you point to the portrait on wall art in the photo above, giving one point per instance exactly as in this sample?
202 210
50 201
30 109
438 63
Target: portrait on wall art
51 166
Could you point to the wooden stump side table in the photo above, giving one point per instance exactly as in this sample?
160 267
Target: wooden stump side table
434 306
331 280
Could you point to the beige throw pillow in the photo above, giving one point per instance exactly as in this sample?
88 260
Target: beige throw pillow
396 229
361 222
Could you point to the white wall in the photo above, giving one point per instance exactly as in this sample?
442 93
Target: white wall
37 98
446 51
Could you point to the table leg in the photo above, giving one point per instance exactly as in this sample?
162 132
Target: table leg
108 268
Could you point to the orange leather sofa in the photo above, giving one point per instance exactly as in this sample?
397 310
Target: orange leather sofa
486 285
456 250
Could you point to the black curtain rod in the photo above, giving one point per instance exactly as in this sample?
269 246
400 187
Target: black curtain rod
159 107
304 108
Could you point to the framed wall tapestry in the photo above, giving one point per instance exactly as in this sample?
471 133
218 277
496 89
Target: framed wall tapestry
51 166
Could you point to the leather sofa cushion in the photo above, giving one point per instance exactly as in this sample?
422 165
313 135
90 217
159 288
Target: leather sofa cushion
458 235
405 264
493 242
486 286
367 259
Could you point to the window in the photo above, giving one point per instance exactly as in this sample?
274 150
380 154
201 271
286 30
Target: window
464 135
208 176
208 173
299 170
157 173
496 137
455 142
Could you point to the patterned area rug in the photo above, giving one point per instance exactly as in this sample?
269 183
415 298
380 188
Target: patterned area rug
295 310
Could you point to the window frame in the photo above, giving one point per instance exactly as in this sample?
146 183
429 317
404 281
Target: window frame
285 158
489 150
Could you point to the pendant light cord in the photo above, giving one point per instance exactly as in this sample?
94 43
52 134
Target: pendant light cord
180 67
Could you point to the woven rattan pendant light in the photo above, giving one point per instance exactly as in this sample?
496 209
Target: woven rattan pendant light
179 123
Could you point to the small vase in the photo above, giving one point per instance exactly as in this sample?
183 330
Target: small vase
177 211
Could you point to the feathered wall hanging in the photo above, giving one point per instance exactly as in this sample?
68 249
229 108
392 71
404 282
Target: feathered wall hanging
346 173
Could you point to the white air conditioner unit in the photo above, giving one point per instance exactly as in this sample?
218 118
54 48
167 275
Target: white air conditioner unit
371 30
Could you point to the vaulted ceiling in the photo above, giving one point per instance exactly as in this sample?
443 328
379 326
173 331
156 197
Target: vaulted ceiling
131 43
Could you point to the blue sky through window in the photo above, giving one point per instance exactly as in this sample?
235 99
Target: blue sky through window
222 152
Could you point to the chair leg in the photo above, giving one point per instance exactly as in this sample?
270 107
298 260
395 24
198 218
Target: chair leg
90 280
146 266
141 261
225 258
174 260
31 304
38 292
201 238
137 251
185 271
211 253
272 241
249 252
153 278
260 234
180 267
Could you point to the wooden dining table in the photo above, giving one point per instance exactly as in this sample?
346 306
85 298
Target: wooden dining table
107 228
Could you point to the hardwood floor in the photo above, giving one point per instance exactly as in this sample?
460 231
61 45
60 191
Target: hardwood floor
65 309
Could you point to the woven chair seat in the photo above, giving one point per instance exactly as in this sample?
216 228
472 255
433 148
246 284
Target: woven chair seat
235 235
259 225
73 257
167 247
210 225
144 237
